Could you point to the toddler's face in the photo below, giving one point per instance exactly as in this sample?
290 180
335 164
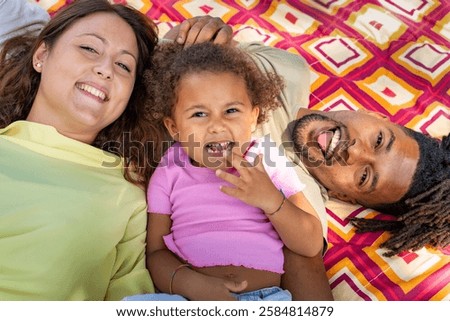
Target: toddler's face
213 117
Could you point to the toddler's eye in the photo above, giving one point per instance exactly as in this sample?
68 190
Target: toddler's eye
123 66
199 114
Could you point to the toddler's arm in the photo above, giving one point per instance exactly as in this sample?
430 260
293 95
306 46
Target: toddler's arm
294 219
171 275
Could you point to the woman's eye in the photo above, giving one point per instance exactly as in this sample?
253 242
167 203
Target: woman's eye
87 48
231 110
363 177
123 66
379 140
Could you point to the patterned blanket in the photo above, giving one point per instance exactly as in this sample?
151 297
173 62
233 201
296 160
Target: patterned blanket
387 56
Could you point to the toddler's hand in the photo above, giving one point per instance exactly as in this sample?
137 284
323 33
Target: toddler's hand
253 185
216 289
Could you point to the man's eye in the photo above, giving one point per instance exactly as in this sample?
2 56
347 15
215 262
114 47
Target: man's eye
363 177
379 140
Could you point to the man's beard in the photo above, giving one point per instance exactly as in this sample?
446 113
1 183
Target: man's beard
306 146
300 134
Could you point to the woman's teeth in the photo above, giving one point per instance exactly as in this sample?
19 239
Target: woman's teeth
93 91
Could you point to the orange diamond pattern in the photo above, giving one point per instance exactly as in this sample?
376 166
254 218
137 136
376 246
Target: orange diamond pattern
386 56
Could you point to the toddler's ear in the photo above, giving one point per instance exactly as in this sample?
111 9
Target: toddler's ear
255 115
171 127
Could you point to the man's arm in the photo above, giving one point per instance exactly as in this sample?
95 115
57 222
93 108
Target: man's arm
305 277
20 16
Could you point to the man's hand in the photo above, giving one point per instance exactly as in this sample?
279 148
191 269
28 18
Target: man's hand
201 29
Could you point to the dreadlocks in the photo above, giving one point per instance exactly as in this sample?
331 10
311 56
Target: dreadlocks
423 213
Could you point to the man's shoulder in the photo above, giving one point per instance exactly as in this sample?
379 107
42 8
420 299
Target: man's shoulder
20 16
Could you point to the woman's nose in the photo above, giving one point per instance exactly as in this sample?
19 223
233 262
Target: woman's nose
104 69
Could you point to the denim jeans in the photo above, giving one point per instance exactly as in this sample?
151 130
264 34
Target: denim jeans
267 294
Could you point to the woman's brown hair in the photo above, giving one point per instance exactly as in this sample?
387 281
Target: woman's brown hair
19 82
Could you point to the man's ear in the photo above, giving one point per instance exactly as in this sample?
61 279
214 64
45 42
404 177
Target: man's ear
373 114
40 56
171 127
342 197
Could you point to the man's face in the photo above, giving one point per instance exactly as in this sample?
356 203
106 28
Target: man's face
358 156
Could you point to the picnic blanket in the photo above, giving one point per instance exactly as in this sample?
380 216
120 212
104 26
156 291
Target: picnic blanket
386 56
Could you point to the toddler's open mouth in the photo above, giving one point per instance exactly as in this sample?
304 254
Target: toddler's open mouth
218 149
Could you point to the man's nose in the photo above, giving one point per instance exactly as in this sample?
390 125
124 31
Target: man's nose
357 151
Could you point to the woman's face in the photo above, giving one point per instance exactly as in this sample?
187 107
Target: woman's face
87 77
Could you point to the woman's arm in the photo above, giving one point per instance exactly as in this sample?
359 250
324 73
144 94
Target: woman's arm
129 274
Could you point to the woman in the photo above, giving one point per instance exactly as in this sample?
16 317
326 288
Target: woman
71 226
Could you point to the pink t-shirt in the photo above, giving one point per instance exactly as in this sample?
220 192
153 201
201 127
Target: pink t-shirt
210 228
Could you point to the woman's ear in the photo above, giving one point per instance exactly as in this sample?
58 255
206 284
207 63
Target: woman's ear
39 57
171 127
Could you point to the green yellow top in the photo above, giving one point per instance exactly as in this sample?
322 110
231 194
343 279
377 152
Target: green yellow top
71 226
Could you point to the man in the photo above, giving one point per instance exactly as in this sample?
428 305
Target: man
361 157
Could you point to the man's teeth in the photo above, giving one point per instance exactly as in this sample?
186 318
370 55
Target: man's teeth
93 91
334 142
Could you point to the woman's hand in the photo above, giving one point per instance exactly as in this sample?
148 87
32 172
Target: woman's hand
201 29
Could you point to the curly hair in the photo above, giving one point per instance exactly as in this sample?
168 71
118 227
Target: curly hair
423 213
19 81
172 62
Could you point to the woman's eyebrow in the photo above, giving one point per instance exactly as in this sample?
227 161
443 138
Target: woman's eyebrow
123 51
